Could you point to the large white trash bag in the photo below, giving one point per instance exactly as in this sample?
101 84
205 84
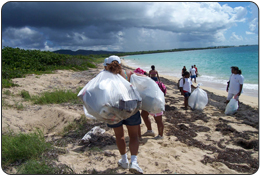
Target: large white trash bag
198 99
152 97
231 107
110 98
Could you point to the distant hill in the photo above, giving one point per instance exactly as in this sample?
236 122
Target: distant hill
84 52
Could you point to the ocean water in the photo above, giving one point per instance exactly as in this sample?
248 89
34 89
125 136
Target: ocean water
213 65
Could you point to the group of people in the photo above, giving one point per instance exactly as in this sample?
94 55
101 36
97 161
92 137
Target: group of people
193 72
113 64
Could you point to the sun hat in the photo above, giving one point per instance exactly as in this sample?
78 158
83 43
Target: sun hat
105 62
113 58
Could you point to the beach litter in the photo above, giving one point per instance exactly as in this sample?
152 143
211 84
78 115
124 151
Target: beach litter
231 107
198 99
94 131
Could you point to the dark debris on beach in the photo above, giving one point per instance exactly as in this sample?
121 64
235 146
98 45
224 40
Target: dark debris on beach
185 130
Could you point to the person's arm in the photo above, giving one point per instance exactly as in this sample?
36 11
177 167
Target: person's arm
193 86
227 86
149 74
181 88
240 90
140 75
158 76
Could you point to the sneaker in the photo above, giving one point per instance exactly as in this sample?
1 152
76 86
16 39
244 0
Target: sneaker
149 133
122 164
134 168
158 137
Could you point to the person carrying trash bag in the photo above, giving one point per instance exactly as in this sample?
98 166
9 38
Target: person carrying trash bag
132 124
185 88
153 103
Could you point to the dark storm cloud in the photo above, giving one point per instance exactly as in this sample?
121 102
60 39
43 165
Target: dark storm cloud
115 25
69 15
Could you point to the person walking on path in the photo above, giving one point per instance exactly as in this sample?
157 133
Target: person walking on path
132 124
235 84
154 74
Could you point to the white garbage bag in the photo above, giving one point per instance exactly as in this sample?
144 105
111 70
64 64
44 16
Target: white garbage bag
152 97
110 98
231 107
198 99
94 131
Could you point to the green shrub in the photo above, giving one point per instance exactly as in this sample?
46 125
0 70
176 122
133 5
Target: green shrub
25 94
20 147
16 62
36 167
56 97
8 83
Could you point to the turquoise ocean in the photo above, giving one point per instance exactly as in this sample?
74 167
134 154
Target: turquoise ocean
213 65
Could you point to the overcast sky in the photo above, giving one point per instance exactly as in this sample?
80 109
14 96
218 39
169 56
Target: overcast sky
128 26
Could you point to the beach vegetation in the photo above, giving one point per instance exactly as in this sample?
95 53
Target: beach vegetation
31 154
19 106
7 92
76 126
16 63
56 97
43 167
6 83
21 147
25 94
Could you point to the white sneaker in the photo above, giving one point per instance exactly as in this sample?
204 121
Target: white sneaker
149 133
122 164
158 137
134 168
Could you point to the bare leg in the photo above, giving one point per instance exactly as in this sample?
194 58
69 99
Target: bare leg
133 136
146 119
160 125
186 102
139 133
120 139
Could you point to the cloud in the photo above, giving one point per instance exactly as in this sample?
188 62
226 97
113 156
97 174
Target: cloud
17 37
235 37
249 33
125 26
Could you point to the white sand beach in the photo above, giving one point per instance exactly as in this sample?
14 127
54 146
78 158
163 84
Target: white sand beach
195 142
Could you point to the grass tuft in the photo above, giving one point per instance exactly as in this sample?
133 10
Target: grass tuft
56 97
20 147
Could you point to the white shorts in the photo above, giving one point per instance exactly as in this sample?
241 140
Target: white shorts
230 96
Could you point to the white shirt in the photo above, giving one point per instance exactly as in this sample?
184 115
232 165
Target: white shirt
193 71
187 84
235 81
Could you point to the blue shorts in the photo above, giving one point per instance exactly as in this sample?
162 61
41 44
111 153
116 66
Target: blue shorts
187 94
131 121
193 76
155 78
